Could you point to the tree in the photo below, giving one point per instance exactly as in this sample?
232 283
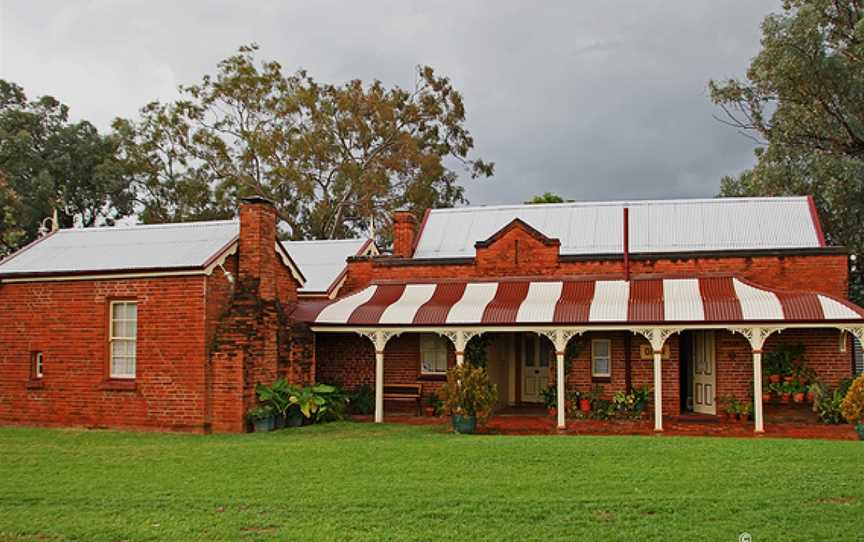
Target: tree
546 197
11 233
803 101
332 158
49 163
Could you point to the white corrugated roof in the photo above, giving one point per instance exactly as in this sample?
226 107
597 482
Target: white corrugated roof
159 246
322 261
655 226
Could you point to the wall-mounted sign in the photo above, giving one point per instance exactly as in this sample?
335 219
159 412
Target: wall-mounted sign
645 351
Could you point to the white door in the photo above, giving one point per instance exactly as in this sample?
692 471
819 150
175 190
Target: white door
703 357
536 355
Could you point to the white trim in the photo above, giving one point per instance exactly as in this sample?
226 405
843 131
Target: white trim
475 328
106 276
232 249
289 263
112 338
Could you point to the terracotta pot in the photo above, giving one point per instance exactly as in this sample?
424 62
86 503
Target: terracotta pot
774 379
766 397
784 398
568 404
788 379
802 380
584 405
744 418
553 412
810 396
798 397
429 411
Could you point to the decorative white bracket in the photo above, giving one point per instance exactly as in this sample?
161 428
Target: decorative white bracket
561 337
460 337
756 335
657 336
856 331
379 337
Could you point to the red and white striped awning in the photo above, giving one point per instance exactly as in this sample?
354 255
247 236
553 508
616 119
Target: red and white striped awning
577 302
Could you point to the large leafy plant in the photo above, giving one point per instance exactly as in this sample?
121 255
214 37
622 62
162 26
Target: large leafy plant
468 392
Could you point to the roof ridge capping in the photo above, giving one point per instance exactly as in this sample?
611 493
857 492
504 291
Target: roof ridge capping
165 225
616 203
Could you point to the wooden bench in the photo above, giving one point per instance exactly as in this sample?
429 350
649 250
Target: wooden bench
404 392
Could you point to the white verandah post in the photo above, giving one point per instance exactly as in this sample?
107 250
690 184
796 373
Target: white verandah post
657 337
560 338
757 336
379 340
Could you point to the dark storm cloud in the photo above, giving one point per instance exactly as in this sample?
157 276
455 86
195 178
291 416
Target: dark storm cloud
592 100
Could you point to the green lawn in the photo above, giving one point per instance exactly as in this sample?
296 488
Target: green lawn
350 481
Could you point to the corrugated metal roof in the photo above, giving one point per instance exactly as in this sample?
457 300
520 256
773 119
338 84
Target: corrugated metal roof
646 301
655 226
322 261
146 247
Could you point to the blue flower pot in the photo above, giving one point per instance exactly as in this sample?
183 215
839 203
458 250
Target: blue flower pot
264 425
464 424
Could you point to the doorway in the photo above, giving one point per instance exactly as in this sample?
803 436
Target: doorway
535 357
702 367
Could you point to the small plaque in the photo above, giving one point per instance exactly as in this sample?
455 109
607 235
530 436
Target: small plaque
646 353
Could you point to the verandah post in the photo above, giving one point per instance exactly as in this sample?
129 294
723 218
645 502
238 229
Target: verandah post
758 421
658 389
559 375
379 385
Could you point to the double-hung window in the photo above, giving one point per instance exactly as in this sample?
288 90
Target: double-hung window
433 354
37 367
123 338
601 358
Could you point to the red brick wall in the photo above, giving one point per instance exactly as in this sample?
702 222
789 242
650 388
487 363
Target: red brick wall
348 359
824 273
642 371
68 322
404 230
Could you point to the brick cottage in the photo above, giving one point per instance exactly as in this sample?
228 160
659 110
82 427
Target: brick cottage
170 327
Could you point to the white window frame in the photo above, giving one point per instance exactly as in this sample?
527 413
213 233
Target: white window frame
38 364
438 349
595 357
112 339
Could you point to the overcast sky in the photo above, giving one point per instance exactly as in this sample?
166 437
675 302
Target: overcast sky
591 100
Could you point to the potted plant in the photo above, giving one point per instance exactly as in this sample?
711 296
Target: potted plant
431 404
744 412
766 393
550 400
798 393
853 405
585 403
730 406
262 418
785 393
468 396
276 397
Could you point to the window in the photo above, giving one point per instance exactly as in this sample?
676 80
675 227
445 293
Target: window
123 338
433 354
36 364
601 358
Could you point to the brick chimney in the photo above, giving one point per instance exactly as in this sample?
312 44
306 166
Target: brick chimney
404 230
258 245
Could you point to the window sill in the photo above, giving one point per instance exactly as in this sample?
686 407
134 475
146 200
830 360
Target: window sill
601 379
35 384
117 385
432 377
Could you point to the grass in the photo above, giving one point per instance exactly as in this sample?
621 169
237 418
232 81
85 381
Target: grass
350 481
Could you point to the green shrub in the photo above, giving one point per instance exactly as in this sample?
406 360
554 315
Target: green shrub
362 400
468 392
852 406
827 403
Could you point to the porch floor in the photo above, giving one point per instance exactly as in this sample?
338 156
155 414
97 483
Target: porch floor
781 421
